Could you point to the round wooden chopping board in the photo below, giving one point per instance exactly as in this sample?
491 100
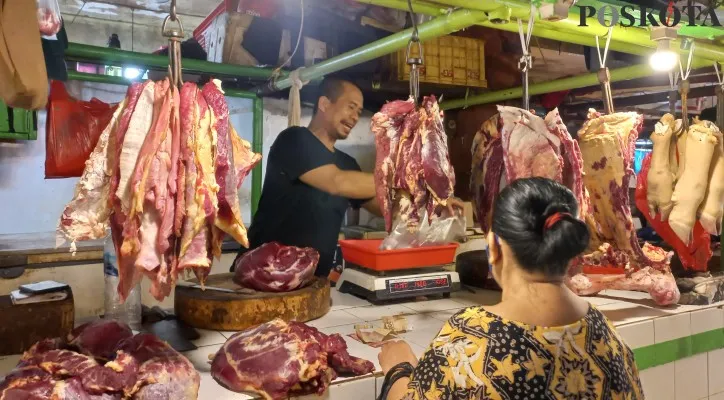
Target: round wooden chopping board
239 308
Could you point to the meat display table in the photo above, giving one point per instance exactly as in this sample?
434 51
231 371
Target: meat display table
226 306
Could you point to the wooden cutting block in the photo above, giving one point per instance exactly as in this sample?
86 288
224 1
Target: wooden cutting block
234 308
22 325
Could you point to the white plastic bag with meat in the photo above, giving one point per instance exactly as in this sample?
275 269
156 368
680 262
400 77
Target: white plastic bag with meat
48 17
442 230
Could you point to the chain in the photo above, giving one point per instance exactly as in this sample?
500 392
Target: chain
174 35
414 62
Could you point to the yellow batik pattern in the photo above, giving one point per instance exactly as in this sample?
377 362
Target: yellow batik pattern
478 356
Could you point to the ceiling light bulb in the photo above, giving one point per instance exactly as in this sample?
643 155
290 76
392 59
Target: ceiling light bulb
131 73
664 59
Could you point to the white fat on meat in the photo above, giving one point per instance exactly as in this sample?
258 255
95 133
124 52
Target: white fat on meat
138 128
86 217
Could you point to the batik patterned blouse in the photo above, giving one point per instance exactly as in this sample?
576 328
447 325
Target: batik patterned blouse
479 355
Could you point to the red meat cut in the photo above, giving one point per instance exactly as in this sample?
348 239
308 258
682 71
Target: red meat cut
273 267
102 360
413 174
279 359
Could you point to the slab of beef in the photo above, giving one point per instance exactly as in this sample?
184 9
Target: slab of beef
164 177
101 360
279 359
273 267
516 143
413 173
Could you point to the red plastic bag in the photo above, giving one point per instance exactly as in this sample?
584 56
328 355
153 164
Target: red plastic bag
72 130
694 257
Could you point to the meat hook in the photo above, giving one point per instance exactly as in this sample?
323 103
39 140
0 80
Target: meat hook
673 93
684 88
414 62
604 76
174 35
526 60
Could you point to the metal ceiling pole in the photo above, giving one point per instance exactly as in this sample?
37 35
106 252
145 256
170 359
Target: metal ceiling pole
257 146
95 53
439 26
630 35
591 79
421 7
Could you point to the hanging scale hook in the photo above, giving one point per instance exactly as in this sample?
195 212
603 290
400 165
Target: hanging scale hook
174 35
526 60
414 62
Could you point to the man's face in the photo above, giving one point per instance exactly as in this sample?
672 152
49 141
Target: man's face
342 115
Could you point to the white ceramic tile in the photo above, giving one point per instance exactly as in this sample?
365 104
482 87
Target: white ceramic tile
374 313
718 396
359 389
378 384
210 389
691 378
621 313
341 301
334 318
600 301
434 305
716 371
424 329
209 338
672 327
639 334
706 320
443 315
658 382
201 357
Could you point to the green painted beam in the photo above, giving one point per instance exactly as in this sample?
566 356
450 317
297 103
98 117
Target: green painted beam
590 79
94 53
439 26
630 35
258 147
418 6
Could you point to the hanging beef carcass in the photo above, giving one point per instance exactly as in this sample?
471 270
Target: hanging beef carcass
280 359
164 176
273 267
596 172
102 360
413 174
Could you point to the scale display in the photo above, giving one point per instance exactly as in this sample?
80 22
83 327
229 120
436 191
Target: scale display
396 286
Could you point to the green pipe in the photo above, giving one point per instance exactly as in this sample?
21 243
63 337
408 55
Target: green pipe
590 79
440 26
258 147
95 53
418 6
630 35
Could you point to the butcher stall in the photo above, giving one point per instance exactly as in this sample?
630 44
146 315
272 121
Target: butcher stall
130 178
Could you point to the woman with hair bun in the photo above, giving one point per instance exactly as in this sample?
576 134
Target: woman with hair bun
541 341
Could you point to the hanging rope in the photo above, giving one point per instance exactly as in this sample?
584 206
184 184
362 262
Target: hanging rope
294 114
673 92
526 61
719 98
278 70
684 91
604 76
174 35
414 62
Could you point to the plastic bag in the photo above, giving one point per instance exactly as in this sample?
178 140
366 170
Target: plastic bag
48 17
446 229
72 130
694 257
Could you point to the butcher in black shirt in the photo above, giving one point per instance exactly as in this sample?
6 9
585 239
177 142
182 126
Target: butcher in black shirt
309 184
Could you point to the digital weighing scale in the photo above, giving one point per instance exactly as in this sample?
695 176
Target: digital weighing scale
396 274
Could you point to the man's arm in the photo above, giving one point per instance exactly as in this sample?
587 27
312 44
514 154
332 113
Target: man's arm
373 207
350 184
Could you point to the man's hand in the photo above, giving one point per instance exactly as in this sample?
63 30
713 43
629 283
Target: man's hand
394 353
455 205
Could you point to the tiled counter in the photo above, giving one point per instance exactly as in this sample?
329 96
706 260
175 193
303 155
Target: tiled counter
679 350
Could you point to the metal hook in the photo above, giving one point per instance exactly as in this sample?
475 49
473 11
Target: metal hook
174 35
414 62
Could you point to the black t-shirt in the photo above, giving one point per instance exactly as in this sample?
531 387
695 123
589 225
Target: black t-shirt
293 213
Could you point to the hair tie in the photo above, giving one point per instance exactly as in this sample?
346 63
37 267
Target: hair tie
553 219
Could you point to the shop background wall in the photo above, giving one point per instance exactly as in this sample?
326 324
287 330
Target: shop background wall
33 204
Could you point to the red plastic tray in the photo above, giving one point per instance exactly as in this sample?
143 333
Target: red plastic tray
367 253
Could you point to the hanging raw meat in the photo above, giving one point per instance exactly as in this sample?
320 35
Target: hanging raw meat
273 267
102 360
279 359
164 176
516 143
413 173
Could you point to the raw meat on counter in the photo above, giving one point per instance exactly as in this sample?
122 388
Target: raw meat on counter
280 359
413 174
273 267
102 360
164 177
597 168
